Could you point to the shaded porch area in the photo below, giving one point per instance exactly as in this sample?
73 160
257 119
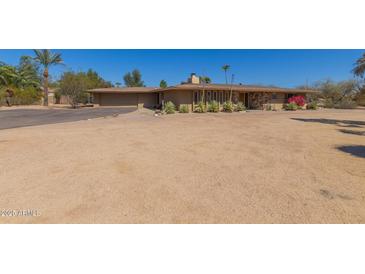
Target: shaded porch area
251 100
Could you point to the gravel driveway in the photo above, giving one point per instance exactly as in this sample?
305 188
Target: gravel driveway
14 118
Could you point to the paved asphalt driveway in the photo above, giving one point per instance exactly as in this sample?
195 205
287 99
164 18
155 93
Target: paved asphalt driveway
33 117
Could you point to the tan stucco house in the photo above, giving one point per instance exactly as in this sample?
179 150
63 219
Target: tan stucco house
190 93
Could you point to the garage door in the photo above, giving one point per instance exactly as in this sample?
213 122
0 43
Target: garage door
147 100
119 100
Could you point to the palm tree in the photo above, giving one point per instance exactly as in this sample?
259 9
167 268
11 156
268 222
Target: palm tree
359 69
7 75
205 80
226 68
46 58
23 79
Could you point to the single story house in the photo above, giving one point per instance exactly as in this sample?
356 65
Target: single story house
191 93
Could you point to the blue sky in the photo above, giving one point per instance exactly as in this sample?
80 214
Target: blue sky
285 68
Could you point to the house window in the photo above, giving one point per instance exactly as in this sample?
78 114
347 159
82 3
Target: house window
273 96
196 97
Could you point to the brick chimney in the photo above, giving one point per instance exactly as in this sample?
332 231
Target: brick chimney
193 79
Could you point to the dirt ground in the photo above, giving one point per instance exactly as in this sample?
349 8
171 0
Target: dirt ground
255 167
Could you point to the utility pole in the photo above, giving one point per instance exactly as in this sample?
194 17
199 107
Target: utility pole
230 94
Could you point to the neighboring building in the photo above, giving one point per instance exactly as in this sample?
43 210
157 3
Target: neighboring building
191 93
53 99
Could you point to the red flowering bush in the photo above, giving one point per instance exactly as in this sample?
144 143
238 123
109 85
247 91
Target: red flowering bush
299 100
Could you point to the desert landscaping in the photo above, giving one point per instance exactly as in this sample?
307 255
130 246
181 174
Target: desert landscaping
253 167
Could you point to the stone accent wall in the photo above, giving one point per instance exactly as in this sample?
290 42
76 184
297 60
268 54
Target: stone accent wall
258 99
235 97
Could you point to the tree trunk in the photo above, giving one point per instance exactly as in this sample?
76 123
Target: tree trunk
45 87
225 73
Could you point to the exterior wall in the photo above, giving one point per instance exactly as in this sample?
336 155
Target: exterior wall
253 100
111 99
274 101
51 98
96 99
130 99
64 100
148 100
179 97
258 99
217 95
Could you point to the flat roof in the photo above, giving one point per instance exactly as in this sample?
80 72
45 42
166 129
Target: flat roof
246 88
207 87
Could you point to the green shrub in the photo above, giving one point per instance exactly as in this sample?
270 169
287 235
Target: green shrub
268 107
346 104
84 98
57 96
73 86
228 106
312 105
213 106
240 107
184 108
200 107
328 103
360 98
169 107
291 106
27 96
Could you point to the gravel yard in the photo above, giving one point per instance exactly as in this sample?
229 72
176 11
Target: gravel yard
255 167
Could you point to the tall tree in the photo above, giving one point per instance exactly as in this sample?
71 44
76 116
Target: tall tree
226 68
73 85
133 79
359 69
28 74
335 92
204 80
7 75
47 59
94 80
163 84
22 76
